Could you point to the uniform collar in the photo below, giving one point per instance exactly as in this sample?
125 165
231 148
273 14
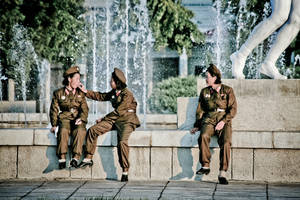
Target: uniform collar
68 91
214 90
118 92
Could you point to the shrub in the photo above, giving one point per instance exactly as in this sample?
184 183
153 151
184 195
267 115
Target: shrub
164 96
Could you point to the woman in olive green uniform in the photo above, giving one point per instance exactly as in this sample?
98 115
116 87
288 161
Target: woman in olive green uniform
216 109
123 118
69 111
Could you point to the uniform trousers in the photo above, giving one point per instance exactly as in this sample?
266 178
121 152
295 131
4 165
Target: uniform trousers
78 133
224 141
123 130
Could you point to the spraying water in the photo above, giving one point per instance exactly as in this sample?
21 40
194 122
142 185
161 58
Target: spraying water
107 49
23 56
126 36
116 41
94 107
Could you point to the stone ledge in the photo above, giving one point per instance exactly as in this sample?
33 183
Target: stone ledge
17 106
254 113
290 140
159 138
260 87
16 137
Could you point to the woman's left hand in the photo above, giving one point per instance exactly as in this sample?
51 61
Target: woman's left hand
220 125
78 121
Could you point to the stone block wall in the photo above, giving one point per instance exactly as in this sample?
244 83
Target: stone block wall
154 155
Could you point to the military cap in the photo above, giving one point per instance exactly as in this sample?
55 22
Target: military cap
120 75
71 70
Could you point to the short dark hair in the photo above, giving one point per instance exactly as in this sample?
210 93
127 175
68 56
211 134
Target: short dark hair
119 84
66 81
214 71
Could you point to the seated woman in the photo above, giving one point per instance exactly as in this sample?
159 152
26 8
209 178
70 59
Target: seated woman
123 118
216 108
69 111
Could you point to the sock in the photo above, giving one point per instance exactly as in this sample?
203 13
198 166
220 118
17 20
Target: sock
86 160
205 167
222 173
125 173
62 160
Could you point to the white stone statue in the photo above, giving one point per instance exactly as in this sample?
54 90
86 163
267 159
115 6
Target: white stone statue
286 15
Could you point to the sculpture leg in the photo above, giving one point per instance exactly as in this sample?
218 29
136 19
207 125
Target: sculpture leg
284 38
280 13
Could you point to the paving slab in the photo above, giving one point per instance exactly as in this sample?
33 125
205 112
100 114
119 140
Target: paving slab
137 190
240 190
17 189
284 191
142 190
188 190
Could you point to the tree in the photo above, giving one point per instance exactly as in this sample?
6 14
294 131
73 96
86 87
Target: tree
172 27
54 27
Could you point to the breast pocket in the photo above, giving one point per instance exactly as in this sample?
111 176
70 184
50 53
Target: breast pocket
63 104
222 101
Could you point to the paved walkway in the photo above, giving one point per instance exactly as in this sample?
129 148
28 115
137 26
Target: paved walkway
103 189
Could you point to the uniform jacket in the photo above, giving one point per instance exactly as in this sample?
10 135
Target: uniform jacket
210 100
122 104
68 106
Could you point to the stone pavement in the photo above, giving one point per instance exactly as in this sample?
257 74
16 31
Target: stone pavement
105 189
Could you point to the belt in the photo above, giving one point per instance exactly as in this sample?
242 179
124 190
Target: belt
130 110
220 110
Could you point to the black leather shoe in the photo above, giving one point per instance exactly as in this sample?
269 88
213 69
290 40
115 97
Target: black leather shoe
62 165
223 180
203 171
124 178
74 163
85 164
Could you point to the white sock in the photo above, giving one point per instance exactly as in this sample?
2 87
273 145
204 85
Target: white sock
205 167
87 160
222 173
62 160
125 173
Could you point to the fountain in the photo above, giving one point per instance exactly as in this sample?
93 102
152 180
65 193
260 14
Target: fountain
119 36
123 43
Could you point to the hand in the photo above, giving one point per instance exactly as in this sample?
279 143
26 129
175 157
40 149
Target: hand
98 120
220 126
194 130
78 121
82 88
52 130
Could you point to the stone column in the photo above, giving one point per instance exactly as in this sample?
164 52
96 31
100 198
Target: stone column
47 90
183 64
11 90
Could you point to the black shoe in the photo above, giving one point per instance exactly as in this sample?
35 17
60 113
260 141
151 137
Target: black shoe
74 163
85 164
124 178
223 180
203 171
62 165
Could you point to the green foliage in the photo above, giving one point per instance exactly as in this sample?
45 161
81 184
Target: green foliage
172 27
165 93
54 27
